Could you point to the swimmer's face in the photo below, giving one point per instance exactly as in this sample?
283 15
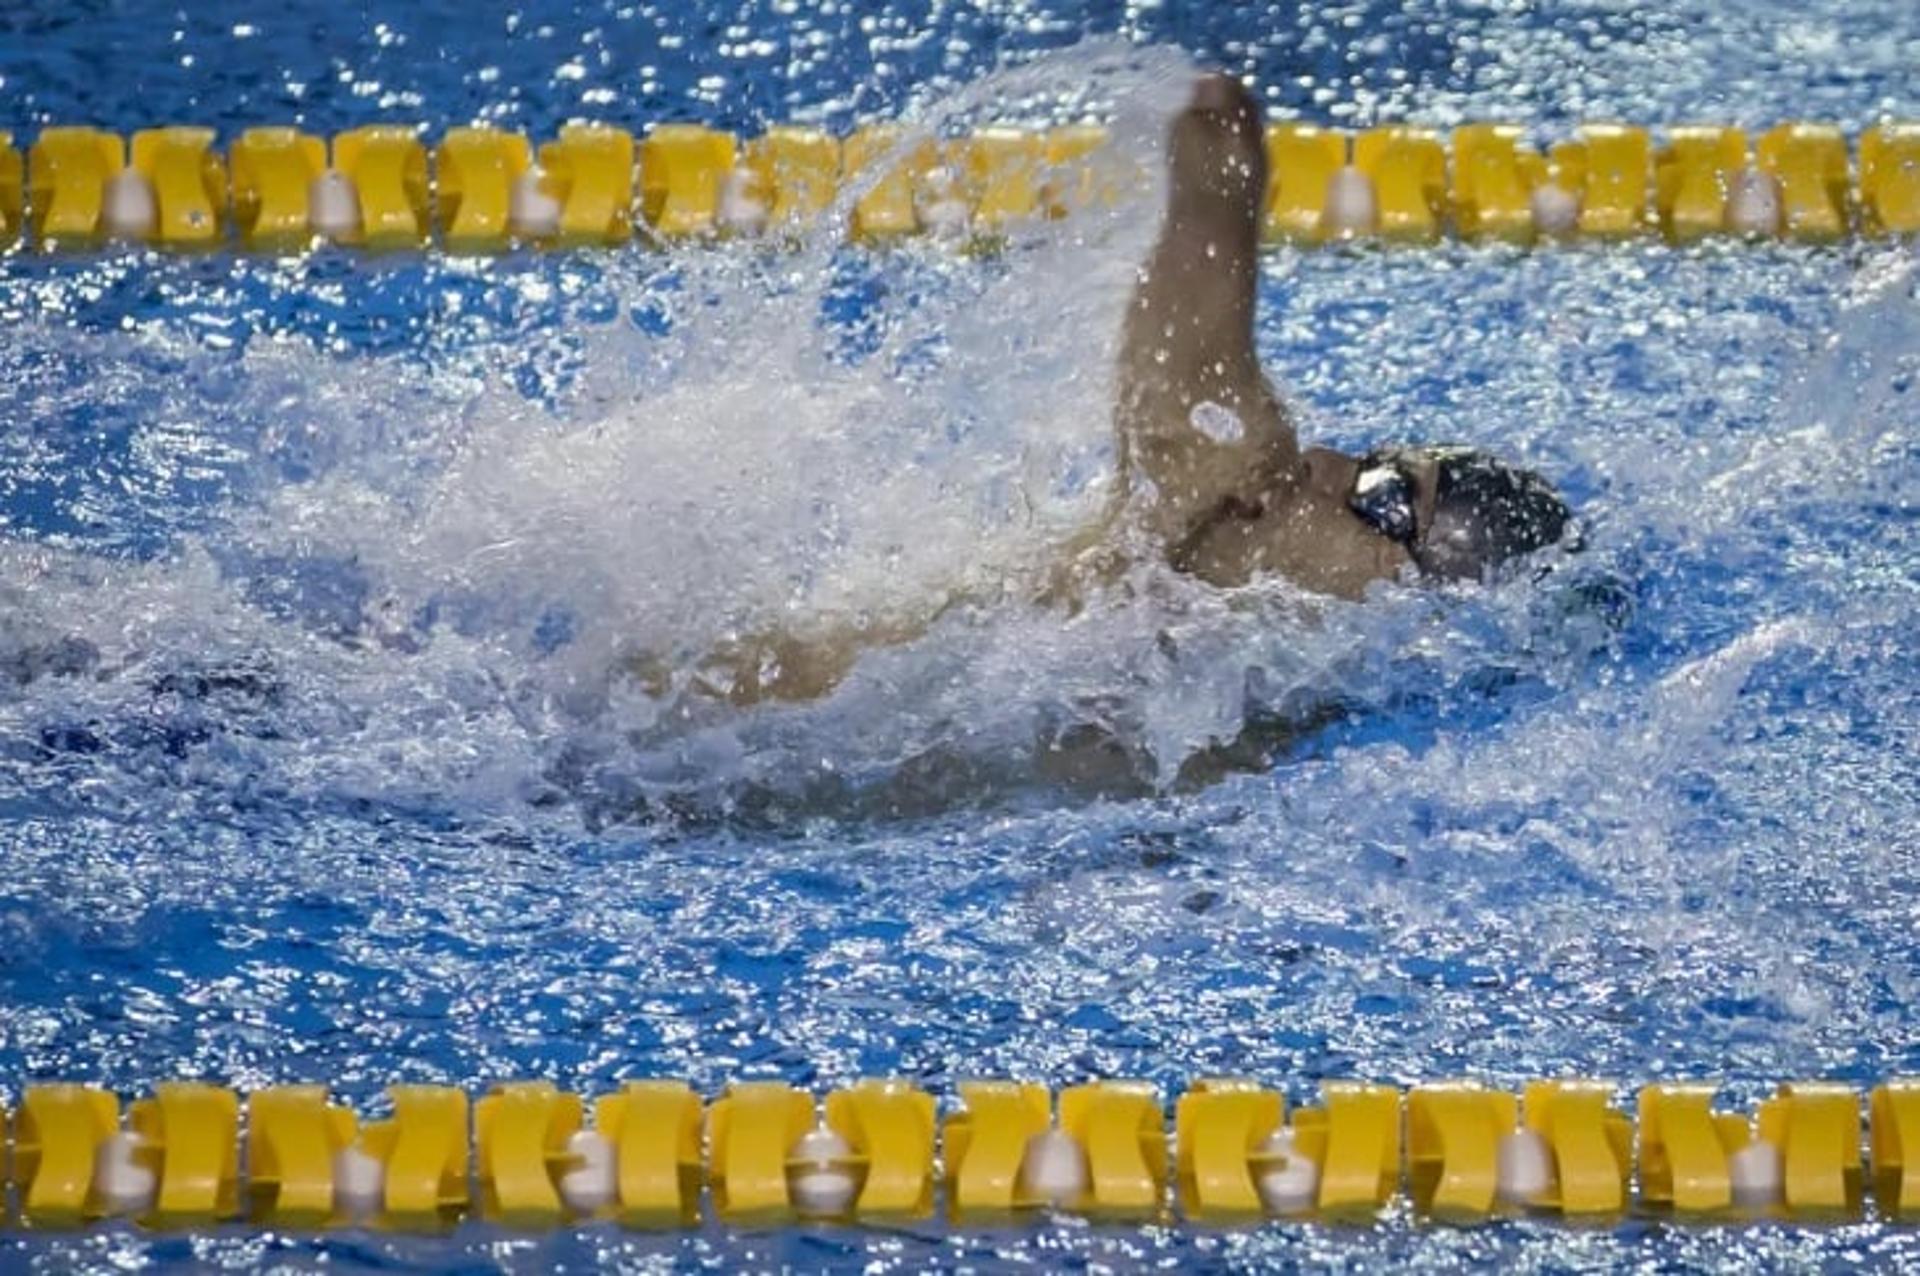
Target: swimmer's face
1218 149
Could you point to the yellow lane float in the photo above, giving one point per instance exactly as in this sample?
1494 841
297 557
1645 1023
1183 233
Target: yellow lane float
1074 177
1616 175
1119 1125
273 172
1809 161
522 1140
654 1129
1890 179
1590 1142
796 173
57 1140
186 1137
479 171
683 171
986 1144
410 1171
1454 1132
1817 1129
1222 1128
12 189
1353 1139
295 1142
1896 1148
1301 162
1494 178
590 171
1004 168
1408 168
189 184
1688 1150
67 174
1693 174
886 210
889 1127
751 1131
384 167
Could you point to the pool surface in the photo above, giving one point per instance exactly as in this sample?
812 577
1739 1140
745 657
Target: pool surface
322 583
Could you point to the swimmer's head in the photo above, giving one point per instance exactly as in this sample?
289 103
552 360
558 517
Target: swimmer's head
1459 512
1217 153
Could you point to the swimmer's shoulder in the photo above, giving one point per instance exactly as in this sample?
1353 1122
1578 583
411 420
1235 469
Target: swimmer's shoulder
1302 530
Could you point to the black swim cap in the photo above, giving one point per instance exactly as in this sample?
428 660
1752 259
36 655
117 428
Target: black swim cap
1458 510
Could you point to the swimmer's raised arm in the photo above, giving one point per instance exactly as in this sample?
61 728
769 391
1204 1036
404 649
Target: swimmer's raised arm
1211 471
1202 436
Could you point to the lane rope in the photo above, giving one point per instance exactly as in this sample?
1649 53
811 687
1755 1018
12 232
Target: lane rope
483 190
655 1155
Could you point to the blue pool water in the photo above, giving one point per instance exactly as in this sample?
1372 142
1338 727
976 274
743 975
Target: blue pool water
312 575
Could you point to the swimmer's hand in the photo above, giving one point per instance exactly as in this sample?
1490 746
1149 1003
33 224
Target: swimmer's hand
751 670
746 670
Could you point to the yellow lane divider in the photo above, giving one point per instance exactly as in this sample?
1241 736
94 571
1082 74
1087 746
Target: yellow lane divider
379 188
1494 178
886 211
274 170
295 1138
683 172
1693 172
1890 179
1004 170
1302 160
1614 182
188 181
589 173
1896 1148
68 170
1809 161
767 1153
485 190
1408 168
12 188
479 169
792 174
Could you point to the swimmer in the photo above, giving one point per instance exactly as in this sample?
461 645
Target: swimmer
1212 475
